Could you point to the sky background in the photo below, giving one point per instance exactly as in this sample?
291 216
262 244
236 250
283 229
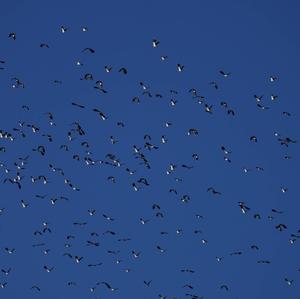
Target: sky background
250 39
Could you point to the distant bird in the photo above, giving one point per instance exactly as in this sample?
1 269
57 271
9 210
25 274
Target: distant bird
224 287
135 254
24 204
230 112
41 149
208 108
155 43
274 97
289 281
108 286
6 271
180 67
108 69
63 29
144 221
254 247
123 70
258 98
160 249
108 217
214 84
224 74
101 114
78 259
226 151
12 35
147 283
9 250
281 227
193 132
263 262
48 269
90 50
243 207
273 78
35 287
213 191
43 45
87 76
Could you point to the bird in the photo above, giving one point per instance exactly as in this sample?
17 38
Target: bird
147 283
180 67
274 97
188 286
230 112
92 212
144 221
35 287
208 108
108 286
88 77
224 74
6 271
63 29
135 254
48 269
78 259
263 262
226 152
43 45
289 281
224 287
214 84
108 69
41 149
273 78
254 247
192 132
90 50
285 113
281 227
213 191
24 204
94 265
9 250
243 207
12 35
160 249
109 218
155 43
101 114
123 70
258 98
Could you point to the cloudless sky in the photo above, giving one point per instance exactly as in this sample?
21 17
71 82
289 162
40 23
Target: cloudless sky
252 40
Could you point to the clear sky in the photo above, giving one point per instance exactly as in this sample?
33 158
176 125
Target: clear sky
253 43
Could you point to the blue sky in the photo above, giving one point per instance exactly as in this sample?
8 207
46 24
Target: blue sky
252 40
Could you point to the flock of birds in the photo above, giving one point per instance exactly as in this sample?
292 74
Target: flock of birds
79 148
